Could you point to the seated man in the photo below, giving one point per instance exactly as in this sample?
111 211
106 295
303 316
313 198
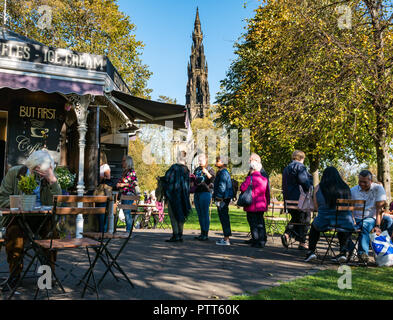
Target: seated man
41 164
374 221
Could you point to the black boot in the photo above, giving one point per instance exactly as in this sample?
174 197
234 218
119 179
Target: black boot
179 237
199 237
172 239
204 236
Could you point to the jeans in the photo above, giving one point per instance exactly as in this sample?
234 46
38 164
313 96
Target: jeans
127 214
223 214
368 225
101 218
257 226
387 224
202 203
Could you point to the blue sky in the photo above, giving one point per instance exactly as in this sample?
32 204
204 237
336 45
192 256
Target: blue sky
165 27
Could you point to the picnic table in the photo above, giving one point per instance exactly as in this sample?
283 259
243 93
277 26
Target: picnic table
145 213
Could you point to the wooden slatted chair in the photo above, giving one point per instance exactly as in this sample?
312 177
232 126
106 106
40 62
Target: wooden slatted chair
56 244
273 221
342 208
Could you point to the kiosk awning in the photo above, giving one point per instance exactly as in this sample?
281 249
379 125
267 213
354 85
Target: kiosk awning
48 84
149 111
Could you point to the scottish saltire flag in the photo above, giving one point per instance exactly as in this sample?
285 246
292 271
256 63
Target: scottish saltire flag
382 245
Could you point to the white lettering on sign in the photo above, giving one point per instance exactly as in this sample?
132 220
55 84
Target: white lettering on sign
24 145
60 57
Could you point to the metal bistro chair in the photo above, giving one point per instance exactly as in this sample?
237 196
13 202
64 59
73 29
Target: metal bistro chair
111 260
20 218
342 208
55 244
273 222
293 205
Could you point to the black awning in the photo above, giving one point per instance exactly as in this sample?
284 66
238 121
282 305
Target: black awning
131 129
149 111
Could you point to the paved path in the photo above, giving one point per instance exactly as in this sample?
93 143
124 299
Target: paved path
190 270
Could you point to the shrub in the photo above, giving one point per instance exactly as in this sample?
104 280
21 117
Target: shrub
27 184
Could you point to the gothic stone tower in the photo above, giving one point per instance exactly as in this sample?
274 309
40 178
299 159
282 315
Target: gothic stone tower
197 95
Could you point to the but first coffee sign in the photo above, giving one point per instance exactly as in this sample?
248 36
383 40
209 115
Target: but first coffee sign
34 128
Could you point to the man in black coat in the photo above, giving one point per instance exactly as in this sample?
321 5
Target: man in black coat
295 175
177 192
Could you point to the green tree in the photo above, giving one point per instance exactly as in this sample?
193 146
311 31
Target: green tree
279 88
93 26
367 45
301 81
145 167
166 99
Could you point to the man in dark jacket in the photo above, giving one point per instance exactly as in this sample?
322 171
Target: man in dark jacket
295 175
177 191
222 195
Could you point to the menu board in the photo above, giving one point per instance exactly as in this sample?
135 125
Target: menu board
32 128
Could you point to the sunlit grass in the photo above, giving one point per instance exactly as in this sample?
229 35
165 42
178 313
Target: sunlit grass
237 217
367 284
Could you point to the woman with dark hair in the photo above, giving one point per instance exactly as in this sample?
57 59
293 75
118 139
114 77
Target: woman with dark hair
331 188
128 185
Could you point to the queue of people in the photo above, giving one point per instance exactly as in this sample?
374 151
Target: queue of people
209 185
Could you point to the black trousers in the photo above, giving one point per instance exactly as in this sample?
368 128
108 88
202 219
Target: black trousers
257 226
299 232
314 236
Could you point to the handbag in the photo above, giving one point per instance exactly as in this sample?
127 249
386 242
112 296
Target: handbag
245 198
193 185
306 203
103 190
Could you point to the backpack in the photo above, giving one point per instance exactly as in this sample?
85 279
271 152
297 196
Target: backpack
235 188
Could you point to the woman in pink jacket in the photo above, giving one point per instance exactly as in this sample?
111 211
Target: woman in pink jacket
259 205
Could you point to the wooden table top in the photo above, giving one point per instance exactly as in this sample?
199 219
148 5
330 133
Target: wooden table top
6 211
147 205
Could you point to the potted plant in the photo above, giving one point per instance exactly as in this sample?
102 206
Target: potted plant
27 184
65 179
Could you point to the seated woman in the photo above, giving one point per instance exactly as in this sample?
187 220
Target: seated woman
331 188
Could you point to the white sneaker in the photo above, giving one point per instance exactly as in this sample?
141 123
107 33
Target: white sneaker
223 242
340 259
311 256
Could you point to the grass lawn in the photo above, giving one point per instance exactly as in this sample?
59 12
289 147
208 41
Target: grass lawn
367 284
237 216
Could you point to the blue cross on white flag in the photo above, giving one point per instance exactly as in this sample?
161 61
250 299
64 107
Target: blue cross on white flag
382 245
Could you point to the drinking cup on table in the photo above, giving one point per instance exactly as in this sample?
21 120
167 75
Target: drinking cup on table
15 202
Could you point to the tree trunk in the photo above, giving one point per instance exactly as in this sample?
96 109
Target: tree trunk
383 163
314 165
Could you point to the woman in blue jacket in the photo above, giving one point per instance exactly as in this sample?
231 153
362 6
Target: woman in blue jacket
222 195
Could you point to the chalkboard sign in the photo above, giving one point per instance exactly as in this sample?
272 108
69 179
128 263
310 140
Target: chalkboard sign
32 128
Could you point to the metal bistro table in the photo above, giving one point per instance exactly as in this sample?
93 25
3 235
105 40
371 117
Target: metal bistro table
21 218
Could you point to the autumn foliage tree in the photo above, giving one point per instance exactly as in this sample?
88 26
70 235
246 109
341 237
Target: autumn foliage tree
302 81
93 26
